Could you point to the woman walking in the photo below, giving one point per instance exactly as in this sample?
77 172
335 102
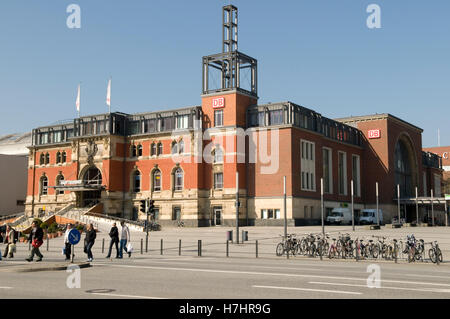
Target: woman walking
89 241
10 242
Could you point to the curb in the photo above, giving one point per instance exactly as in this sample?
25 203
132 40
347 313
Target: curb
46 268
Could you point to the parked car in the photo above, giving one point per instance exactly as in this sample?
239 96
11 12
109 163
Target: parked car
369 216
340 215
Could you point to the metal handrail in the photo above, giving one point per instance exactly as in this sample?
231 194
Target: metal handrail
137 223
11 216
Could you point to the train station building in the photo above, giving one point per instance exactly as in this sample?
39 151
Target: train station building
187 159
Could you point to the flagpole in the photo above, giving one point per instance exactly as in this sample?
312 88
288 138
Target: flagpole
78 100
109 91
79 108
110 85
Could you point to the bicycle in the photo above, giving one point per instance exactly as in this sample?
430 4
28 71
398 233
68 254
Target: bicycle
288 244
393 250
346 246
322 245
372 249
154 226
435 253
382 247
333 250
180 223
411 249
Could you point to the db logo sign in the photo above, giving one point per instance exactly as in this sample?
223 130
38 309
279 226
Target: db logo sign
218 102
374 134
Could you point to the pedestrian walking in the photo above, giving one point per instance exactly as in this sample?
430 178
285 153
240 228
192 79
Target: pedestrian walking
67 244
124 239
114 234
89 241
36 239
10 242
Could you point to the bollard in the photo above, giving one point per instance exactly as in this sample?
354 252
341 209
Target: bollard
103 246
146 244
227 245
230 235
199 247
73 253
287 250
48 240
179 247
142 246
256 248
161 246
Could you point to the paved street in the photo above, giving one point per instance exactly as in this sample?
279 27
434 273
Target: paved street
242 275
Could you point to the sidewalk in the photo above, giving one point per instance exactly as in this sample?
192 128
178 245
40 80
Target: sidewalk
214 243
18 266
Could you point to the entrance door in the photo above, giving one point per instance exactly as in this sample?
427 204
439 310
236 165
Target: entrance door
217 216
176 213
90 198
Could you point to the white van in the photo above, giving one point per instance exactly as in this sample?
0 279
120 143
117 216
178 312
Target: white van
340 215
369 216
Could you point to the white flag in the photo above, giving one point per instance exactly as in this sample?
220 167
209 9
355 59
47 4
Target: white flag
108 93
78 99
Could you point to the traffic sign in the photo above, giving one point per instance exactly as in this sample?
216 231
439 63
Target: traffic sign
74 236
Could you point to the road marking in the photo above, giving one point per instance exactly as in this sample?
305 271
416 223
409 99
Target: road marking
382 287
253 266
270 274
421 275
309 289
125 296
5 287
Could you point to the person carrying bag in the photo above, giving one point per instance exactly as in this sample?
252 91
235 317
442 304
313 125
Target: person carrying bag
36 239
10 242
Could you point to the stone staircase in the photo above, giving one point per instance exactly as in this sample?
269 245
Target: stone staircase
101 222
13 220
24 222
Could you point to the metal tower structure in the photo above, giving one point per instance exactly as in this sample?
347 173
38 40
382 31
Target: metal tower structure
231 69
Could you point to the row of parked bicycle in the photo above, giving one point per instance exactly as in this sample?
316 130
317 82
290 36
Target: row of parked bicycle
343 246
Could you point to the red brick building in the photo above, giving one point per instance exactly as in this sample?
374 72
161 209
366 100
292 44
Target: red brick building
187 159
444 153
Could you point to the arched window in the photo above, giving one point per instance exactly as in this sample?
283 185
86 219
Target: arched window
174 148
160 148
181 147
58 157
92 176
133 151
42 159
139 150
403 168
47 158
153 149
64 157
44 185
218 155
178 176
59 179
136 182
156 180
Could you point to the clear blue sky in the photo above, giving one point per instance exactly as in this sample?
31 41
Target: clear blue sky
316 53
